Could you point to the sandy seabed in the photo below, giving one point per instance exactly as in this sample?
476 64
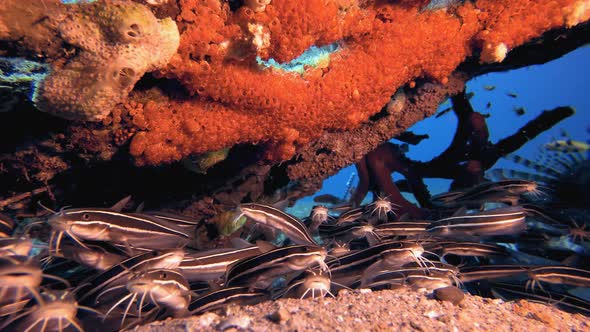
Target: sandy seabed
387 310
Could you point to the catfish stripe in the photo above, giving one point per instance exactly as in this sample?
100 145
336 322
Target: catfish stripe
350 215
561 274
185 220
490 214
473 249
126 221
213 299
363 257
291 226
202 266
172 277
273 257
145 261
490 272
478 225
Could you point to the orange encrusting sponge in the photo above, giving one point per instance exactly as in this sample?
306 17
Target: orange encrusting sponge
384 45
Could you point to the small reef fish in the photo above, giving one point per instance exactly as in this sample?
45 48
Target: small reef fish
567 146
512 94
489 105
202 163
520 111
489 87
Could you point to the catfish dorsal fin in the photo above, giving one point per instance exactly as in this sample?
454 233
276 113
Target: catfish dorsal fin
140 207
121 204
281 205
240 243
265 246
460 212
404 217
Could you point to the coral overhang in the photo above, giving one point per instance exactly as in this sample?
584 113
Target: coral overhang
385 44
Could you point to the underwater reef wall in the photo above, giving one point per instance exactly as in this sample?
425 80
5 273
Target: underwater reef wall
207 92
385 45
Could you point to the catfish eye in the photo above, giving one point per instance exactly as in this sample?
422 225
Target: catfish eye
85 216
164 275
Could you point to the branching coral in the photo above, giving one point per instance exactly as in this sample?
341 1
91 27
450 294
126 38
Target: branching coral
385 45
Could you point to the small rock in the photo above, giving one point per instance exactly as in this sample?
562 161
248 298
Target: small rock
207 319
280 316
432 314
365 290
234 322
451 294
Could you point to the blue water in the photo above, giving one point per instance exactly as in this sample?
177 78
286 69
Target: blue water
562 82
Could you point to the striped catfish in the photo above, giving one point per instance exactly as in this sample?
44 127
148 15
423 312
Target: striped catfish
273 263
119 274
350 215
94 256
130 229
166 288
309 283
19 276
486 272
293 228
12 246
559 275
503 221
211 265
506 191
397 276
56 312
319 215
565 302
432 280
348 268
396 256
399 228
6 225
178 219
220 298
473 249
332 230
162 288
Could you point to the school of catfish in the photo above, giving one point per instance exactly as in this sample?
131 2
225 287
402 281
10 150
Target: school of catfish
112 268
